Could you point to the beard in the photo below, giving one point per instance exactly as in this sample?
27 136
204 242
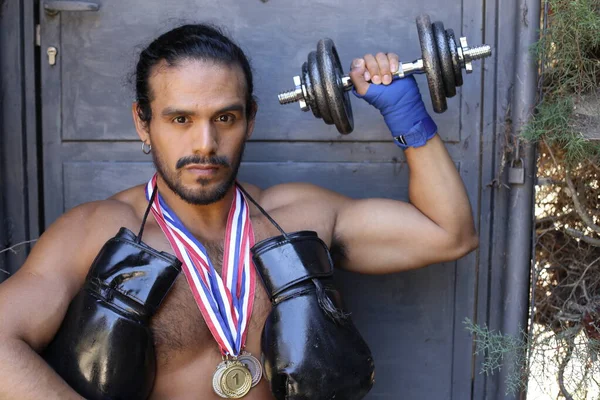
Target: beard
204 195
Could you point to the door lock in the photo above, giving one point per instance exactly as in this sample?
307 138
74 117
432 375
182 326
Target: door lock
52 51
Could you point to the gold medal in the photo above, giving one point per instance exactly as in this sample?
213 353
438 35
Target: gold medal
253 365
217 379
236 380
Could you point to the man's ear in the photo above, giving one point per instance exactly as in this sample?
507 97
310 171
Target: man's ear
251 120
140 126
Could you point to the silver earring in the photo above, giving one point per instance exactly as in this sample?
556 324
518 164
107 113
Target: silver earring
146 148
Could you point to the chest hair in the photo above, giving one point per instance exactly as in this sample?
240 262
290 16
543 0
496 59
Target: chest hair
178 326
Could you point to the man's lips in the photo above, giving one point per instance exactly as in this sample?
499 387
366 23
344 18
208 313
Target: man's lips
202 169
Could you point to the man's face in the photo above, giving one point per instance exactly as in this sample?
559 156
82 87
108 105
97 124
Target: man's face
198 128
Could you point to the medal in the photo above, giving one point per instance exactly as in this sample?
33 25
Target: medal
217 379
236 380
253 365
225 301
229 380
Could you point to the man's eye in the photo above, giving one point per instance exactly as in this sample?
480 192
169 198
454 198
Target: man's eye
180 120
226 118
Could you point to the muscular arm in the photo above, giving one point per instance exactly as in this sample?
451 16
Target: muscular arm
382 236
34 301
378 236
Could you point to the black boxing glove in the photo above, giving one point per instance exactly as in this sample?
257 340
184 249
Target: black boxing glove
311 349
104 348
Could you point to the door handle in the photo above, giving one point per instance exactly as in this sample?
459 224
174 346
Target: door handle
53 7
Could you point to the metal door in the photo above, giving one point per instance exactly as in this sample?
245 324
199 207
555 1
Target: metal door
413 320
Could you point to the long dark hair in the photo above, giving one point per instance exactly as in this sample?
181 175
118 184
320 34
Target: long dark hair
189 42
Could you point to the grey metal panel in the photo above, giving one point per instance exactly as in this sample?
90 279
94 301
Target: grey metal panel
520 237
500 28
12 155
18 130
408 320
3 241
93 83
258 151
31 110
51 117
471 99
88 181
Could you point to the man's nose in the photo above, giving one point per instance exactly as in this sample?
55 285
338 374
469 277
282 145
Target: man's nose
204 139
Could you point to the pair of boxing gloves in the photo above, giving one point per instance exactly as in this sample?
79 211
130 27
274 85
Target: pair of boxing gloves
104 347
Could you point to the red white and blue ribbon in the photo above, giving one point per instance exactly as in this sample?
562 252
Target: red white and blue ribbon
225 303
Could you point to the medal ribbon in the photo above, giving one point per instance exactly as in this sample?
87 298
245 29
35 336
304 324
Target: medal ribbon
225 305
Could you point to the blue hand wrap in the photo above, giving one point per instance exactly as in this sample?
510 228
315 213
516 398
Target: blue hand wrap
403 110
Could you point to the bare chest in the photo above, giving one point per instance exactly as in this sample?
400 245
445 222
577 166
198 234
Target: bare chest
179 329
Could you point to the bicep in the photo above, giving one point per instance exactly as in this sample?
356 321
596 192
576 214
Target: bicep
384 236
373 236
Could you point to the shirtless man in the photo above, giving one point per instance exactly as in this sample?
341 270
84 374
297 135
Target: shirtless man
195 111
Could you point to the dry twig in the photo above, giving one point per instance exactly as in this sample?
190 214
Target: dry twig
580 235
12 248
577 204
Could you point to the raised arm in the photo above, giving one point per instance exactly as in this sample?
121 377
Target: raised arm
33 303
381 236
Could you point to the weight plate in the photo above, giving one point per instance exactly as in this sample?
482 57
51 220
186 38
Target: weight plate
330 69
431 63
458 80
318 88
310 93
445 58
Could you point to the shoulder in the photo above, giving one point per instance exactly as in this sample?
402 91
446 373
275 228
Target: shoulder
287 194
86 227
126 207
69 245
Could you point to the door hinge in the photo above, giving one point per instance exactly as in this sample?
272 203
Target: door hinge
38 35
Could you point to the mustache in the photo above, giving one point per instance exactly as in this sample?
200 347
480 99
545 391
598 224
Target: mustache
214 160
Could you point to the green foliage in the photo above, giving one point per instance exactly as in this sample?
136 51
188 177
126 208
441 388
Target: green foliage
496 348
567 356
570 47
569 53
552 123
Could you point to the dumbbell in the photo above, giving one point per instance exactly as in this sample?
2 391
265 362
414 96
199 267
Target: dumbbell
323 88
